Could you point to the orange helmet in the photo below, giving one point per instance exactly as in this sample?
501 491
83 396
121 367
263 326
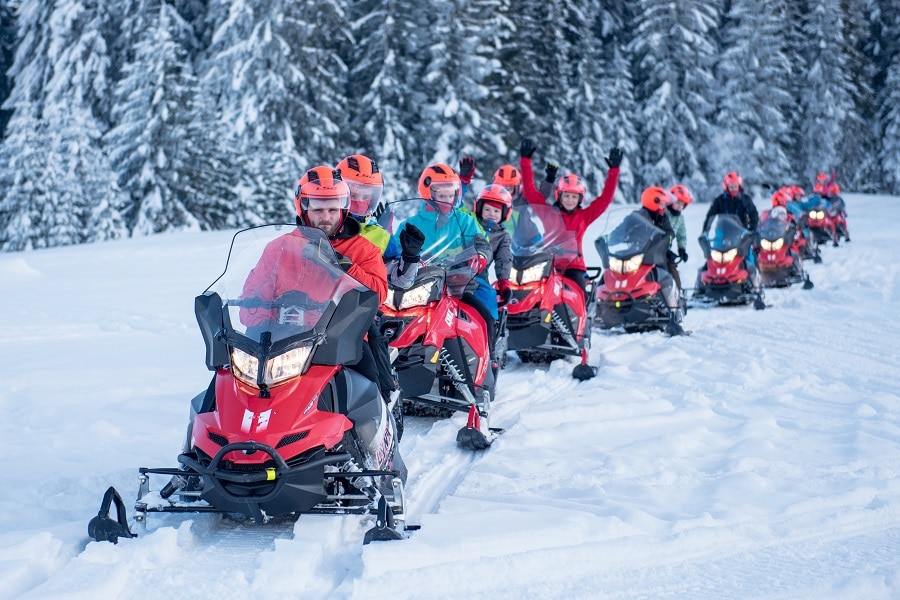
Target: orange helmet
796 192
571 183
781 197
494 194
834 189
821 178
364 180
732 179
321 184
681 194
439 178
655 199
509 177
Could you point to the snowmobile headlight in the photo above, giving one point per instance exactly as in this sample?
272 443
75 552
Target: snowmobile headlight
817 214
244 366
723 257
287 365
530 274
278 369
771 245
630 265
417 296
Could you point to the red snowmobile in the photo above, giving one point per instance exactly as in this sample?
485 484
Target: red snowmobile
631 295
836 217
548 316
777 256
285 428
816 222
728 275
443 355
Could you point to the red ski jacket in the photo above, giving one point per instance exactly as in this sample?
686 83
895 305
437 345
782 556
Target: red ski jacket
577 220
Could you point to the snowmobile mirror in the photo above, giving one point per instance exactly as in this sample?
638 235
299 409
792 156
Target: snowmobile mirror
208 310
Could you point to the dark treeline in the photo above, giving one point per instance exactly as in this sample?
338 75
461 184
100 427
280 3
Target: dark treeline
142 116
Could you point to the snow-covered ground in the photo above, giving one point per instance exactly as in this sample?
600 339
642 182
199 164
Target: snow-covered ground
756 458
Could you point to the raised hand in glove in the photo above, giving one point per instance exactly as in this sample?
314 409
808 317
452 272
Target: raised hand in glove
615 158
551 170
466 169
682 254
343 262
411 240
527 148
478 263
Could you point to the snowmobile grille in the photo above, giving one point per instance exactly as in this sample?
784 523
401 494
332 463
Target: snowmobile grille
290 439
217 439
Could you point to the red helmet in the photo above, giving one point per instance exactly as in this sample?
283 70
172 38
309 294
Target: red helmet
732 179
494 194
681 194
819 188
509 177
437 178
655 199
321 184
571 183
821 178
834 190
797 192
364 180
781 197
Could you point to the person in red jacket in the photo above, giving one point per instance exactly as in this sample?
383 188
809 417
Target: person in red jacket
570 192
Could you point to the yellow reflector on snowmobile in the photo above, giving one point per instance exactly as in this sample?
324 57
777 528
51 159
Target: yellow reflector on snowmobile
547 319
618 304
270 474
435 357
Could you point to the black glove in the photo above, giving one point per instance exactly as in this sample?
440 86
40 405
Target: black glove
411 240
527 148
466 169
615 158
551 170
682 254
343 262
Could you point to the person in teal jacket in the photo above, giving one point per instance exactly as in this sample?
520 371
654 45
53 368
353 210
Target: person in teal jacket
449 228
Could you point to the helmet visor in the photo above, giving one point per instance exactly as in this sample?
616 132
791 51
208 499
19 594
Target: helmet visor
364 198
445 192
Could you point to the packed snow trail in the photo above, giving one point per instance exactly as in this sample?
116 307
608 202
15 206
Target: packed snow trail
757 457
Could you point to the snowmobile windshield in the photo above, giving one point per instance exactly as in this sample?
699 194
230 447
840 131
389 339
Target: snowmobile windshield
541 229
447 234
633 236
281 281
725 232
774 224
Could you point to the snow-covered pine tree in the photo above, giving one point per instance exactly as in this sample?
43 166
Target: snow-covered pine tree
827 92
888 98
469 112
754 95
536 83
76 109
674 52
278 81
604 118
26 215
859 168
151 144
8 41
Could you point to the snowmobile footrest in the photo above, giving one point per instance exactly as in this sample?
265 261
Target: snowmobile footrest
102 528
385 529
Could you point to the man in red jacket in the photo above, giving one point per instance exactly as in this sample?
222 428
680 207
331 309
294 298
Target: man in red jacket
570 192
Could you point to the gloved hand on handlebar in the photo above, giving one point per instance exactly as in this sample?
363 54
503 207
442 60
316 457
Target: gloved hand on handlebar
683 255
478 263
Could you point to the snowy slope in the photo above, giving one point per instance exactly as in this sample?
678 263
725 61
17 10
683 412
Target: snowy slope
756 458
